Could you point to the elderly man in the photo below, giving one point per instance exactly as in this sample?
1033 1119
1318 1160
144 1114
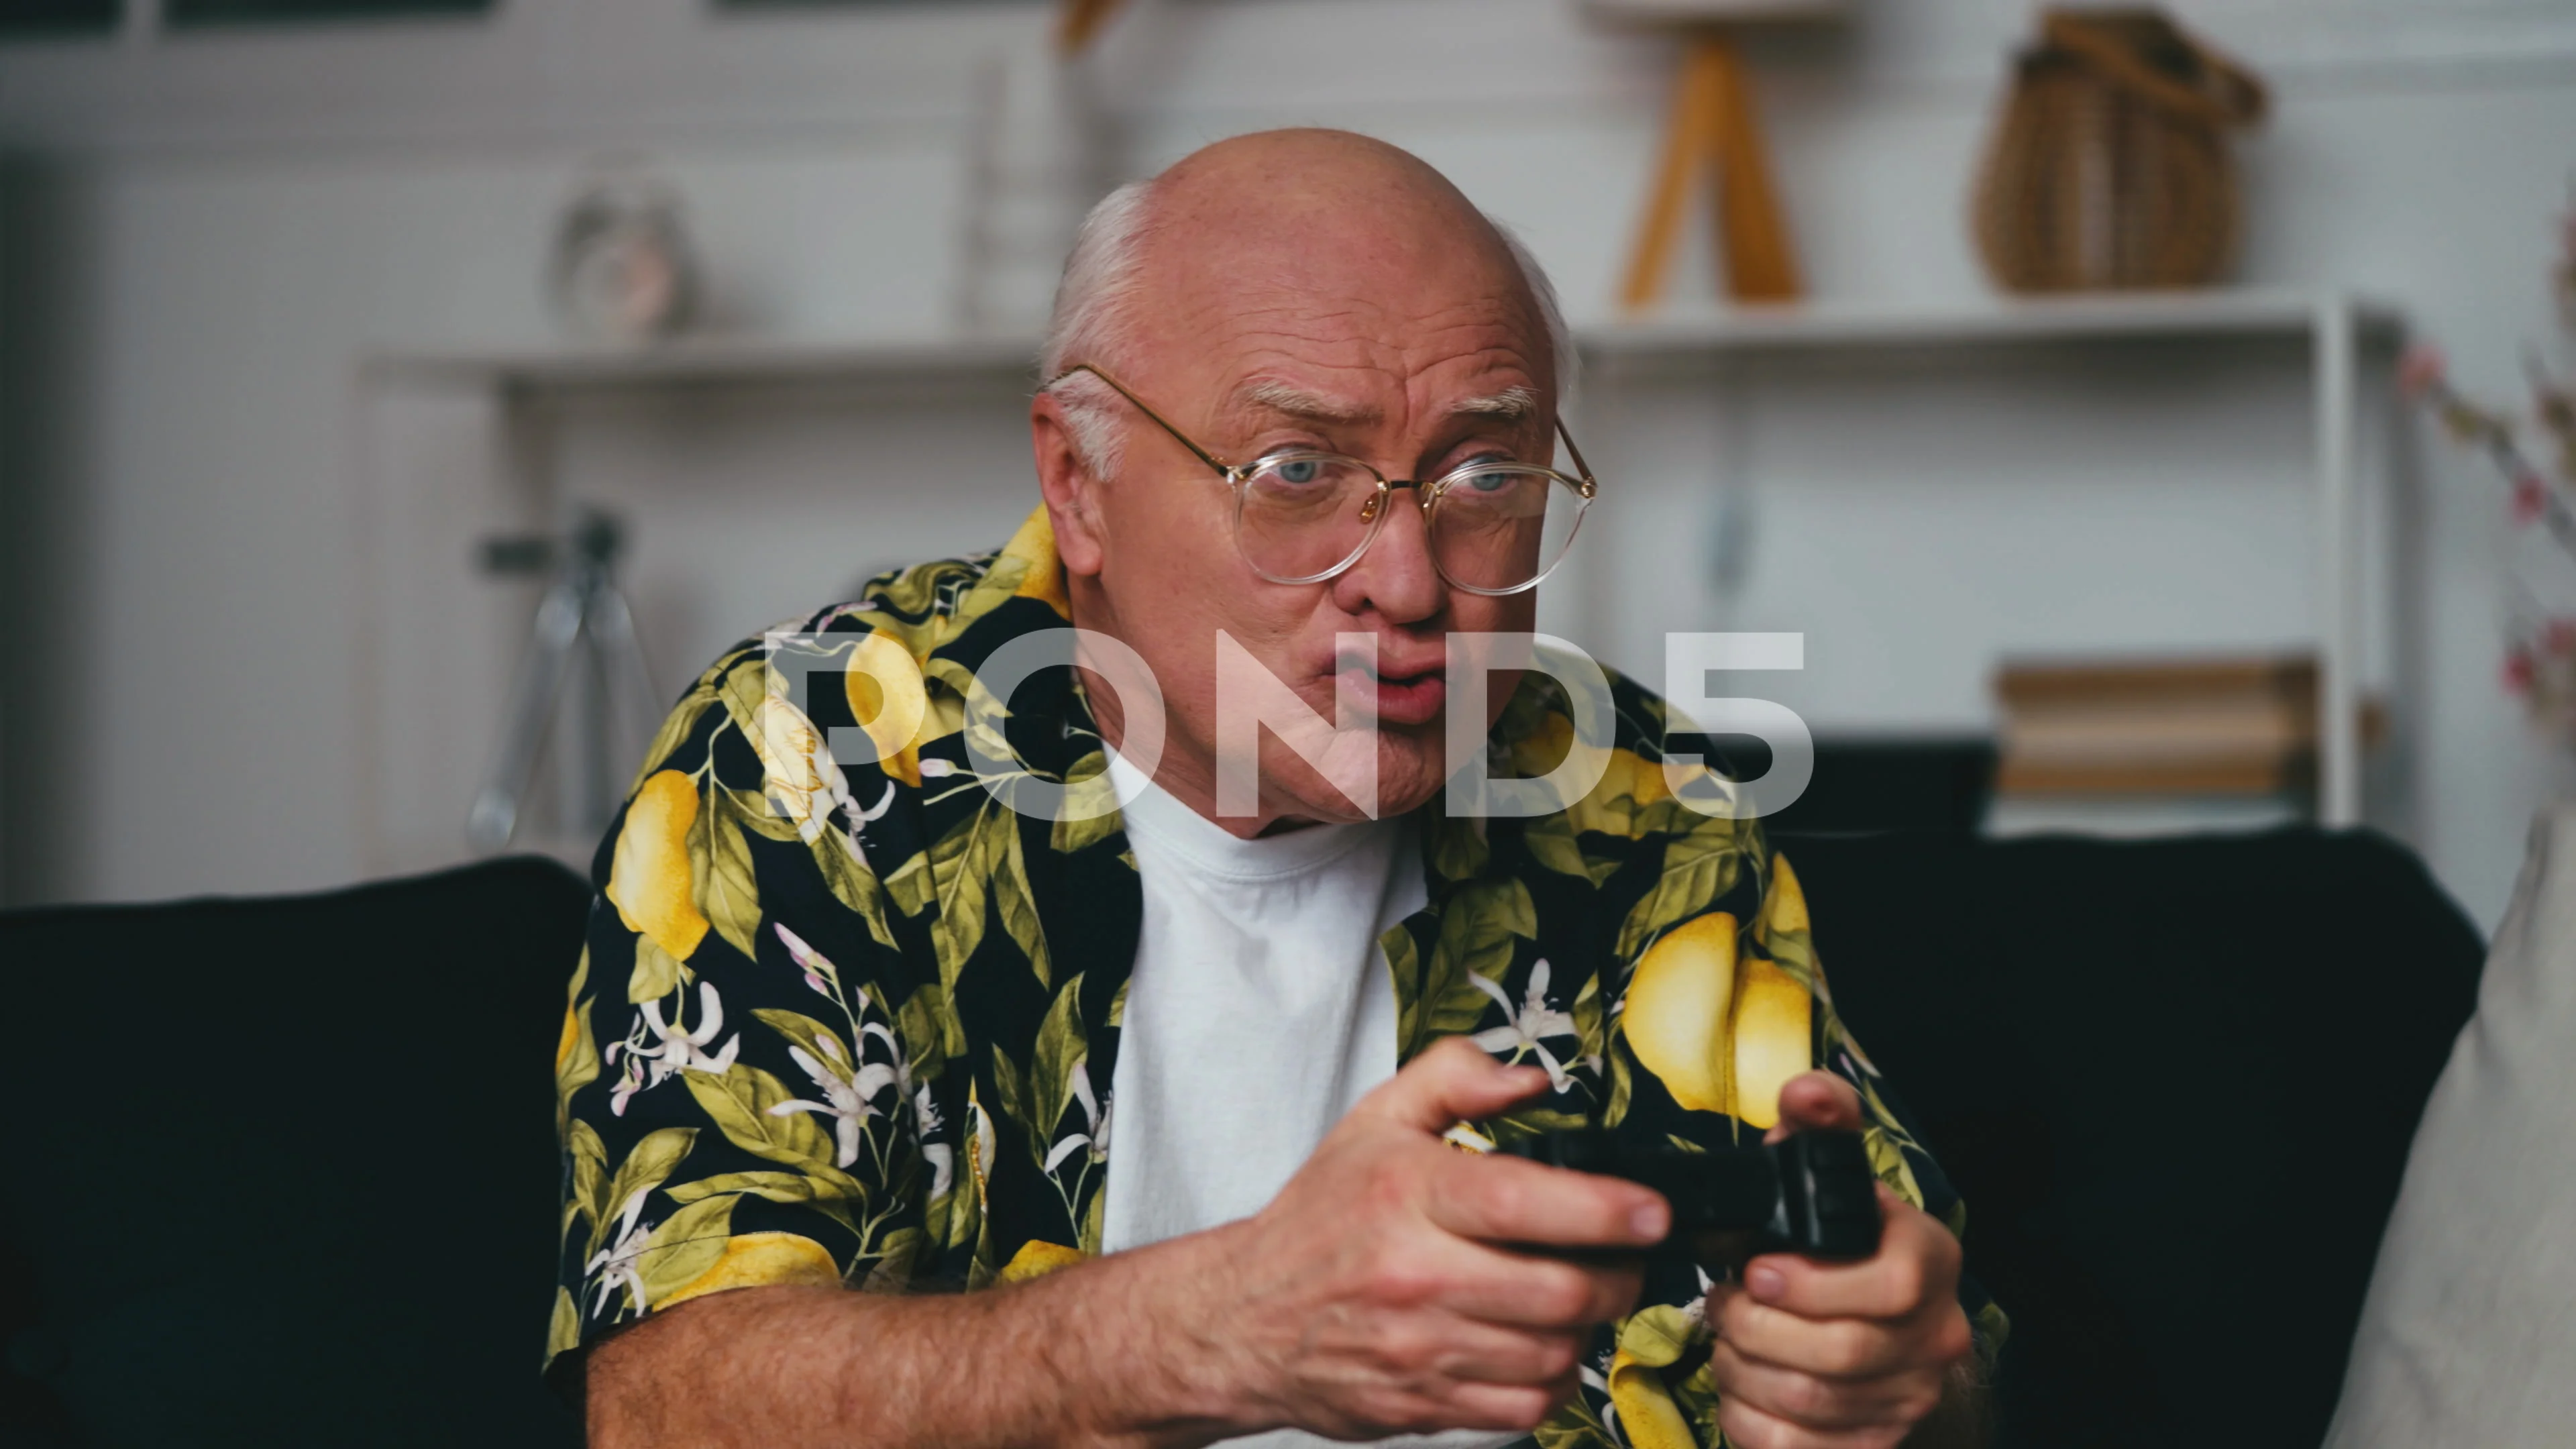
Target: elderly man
1165 1088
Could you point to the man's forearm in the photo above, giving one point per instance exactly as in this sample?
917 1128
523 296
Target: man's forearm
1366 1300
1076 1358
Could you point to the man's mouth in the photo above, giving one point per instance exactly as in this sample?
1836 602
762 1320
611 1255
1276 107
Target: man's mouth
1398 698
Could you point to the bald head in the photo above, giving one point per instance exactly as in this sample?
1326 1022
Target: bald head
1294 206
1294 293
1337 167
1277 219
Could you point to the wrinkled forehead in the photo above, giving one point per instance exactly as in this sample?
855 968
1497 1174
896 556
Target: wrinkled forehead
1236 294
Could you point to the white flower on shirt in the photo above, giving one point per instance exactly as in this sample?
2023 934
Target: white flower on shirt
898 1071
798 774
845 1097
619 1265
1526 1027
820 973
1096 1114
942 1159
860 818
656 1050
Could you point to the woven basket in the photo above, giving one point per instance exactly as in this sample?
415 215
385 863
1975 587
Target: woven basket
2110 167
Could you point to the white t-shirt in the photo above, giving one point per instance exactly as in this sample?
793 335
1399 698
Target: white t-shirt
1260 1010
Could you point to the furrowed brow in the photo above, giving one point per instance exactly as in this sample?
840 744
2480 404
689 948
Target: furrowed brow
1297 402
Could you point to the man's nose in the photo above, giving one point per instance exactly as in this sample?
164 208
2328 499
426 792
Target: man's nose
1396 575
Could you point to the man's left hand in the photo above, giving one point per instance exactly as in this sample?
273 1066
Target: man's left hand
1847 1355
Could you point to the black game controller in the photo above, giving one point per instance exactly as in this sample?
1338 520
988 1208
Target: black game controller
1810 1193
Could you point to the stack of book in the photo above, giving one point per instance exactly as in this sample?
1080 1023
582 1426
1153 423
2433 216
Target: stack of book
2184 728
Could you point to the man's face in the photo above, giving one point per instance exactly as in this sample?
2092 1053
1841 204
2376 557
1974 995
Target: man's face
1407 342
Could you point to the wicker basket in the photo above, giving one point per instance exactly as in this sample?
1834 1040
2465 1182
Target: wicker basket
2110 168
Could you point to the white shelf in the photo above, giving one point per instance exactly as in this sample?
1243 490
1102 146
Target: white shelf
2286 314
1008 361
719 362
2336 329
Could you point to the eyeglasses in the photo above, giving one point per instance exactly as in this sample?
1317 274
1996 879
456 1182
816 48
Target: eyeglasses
1302 515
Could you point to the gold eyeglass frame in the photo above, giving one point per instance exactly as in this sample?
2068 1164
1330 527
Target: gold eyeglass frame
1374 512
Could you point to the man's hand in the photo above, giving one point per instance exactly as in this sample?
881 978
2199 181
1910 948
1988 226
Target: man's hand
1381 1291
1848 1355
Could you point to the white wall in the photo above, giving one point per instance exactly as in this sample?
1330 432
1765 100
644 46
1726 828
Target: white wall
225 224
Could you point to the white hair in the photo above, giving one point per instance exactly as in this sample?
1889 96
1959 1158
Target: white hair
1095 304
1094 301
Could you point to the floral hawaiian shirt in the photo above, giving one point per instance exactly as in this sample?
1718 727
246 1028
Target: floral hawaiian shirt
857 1024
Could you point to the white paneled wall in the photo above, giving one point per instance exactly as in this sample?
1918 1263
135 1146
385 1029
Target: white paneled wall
233 221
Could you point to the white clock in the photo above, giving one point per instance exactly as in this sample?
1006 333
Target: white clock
623 272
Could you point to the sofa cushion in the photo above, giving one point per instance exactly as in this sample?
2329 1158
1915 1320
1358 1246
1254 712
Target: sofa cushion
284 1171
2175 1081
2470 1328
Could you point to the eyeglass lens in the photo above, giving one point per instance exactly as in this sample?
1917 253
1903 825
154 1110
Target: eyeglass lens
1496 529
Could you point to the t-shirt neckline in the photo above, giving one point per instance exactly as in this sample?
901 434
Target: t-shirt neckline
1161 817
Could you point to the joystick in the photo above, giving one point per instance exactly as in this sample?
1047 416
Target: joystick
1810 1193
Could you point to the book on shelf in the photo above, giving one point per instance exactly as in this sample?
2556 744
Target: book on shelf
2233 727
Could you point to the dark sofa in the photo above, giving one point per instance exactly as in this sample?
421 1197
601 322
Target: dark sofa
2176 1082
283 1172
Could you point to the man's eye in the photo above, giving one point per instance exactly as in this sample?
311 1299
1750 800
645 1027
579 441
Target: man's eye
1300 470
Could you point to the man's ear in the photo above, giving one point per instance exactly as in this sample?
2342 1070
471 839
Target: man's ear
1072 493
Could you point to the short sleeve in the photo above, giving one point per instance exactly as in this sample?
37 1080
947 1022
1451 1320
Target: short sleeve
737 1100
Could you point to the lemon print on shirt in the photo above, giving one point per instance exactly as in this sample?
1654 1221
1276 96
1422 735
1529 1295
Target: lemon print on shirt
760 1260
890 701
1723 1030
648 877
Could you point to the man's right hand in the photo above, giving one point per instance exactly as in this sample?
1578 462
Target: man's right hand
1385 1290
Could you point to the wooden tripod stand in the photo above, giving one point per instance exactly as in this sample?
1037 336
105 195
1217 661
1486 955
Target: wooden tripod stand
1713 126
1077 21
